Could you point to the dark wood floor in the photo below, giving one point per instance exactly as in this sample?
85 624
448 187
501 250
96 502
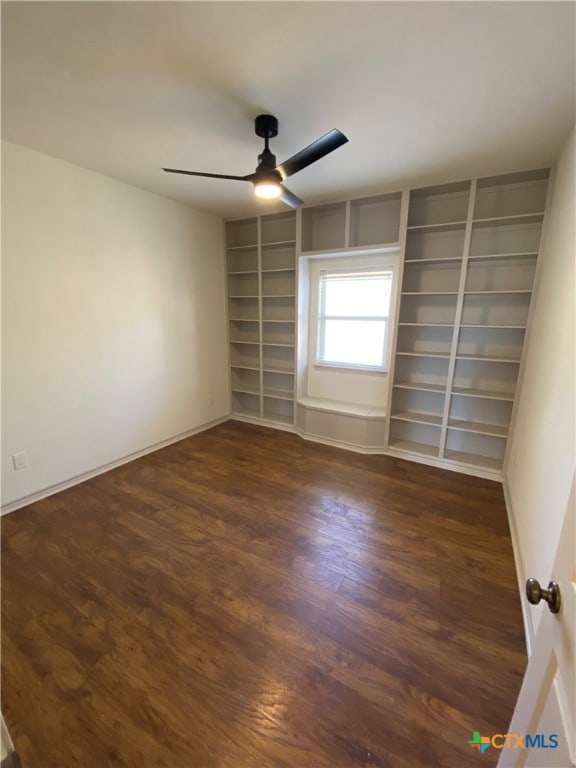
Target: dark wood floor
244 598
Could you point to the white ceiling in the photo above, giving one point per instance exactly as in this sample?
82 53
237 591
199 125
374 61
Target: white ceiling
426 92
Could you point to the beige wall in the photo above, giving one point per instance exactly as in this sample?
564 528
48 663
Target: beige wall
114 331
542 449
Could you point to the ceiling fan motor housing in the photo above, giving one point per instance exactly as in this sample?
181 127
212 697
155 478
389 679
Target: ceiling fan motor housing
266 126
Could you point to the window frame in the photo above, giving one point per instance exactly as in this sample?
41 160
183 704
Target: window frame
384 261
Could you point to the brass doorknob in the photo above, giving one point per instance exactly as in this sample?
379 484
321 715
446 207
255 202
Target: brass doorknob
535 593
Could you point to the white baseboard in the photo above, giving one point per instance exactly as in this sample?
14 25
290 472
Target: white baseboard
527 615
486 474
262 422
340 444
51 490
431 461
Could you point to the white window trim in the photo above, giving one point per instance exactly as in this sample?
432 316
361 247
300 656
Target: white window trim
380 260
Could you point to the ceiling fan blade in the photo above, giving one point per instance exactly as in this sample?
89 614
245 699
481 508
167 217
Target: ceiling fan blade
290 198
209 175
322 146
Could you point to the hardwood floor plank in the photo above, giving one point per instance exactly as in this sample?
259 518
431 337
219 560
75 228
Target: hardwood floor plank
244 598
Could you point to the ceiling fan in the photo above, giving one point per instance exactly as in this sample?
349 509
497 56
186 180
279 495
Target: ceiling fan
268 176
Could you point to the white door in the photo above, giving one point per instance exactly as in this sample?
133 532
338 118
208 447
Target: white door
546 704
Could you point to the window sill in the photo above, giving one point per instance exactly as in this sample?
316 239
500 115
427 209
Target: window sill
351 369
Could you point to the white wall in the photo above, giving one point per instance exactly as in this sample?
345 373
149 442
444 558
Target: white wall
542 449
114 333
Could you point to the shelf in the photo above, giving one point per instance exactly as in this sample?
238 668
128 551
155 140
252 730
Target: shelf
278 334
246 404
512 256
246 390
435 244
496 430
439 205
433 260
497 327
416 407
475 448
511 195
243 367
279 418
278 256
270 369
278 409
500 276
244 320
278 308
523 218
374 220
425 341
278 243
415 436
418 418
445 225
408 446
278 357
492 293
421 387
251 343
431 293
278 228
278 394
277 296
241 247
243 296
247 382
424 354
489 395
279 321
474 460
505 238
245 355
242 234
324 227
279 281
489 358
500 344
495 309
243 272
431 277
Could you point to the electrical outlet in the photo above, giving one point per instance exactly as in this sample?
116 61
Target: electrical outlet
20 460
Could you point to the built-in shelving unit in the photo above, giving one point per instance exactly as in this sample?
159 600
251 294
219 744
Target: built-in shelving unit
469 268
261 273
366 223
469 256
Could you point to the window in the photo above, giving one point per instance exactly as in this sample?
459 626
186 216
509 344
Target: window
353 317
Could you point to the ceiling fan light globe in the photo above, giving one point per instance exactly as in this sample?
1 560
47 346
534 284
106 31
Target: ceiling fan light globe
268 190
